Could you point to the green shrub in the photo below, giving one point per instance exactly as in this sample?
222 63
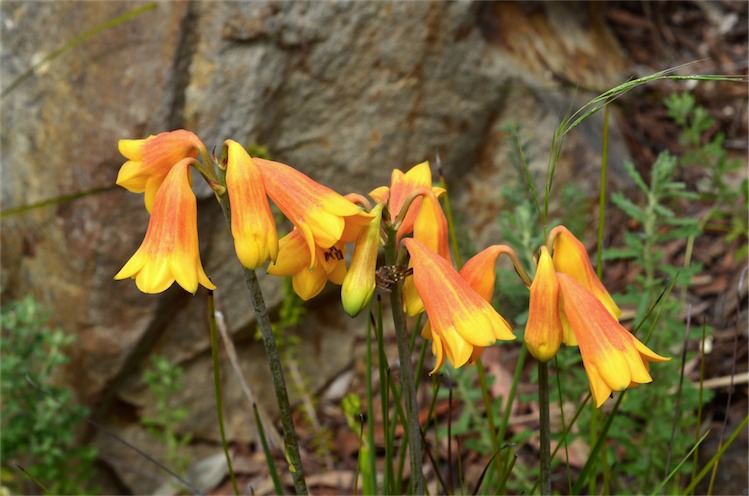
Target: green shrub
38 449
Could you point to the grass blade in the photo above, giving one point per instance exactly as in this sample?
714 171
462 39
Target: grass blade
266 450
132 14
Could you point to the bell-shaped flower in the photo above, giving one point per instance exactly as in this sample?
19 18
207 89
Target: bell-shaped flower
294 260
323 217
613 358
398 195
169 251
151 159
571 258
429 227
359 284
460 319
479 271
480 274
252 224
543 331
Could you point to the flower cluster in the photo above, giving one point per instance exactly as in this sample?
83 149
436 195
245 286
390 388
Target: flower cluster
568 303
312 253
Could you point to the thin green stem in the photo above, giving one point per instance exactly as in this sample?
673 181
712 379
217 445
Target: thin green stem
398 414
489 414
709 466
594 417
698 421
273 357
508 402
408 387
279 383
55 201
383 367
266 450
545 427
370 480
563 440
585 472
602 192
217 388
450 219
127 16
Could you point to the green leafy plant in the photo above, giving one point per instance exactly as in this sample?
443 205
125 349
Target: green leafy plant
720 185
647 444
39 453
164 381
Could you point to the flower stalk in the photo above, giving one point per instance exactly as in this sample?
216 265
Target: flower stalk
545 427
407 372
291 444
279 384
217 389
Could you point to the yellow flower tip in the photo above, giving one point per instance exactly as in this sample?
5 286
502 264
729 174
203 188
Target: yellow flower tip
132 148
412 303
430 226
402 186
613 358
293 255
294 260
252 223
459 315
380 194
353 226
359 284
479 271
355 297
169 252
151 159
437 350
649 354
543 332
571 258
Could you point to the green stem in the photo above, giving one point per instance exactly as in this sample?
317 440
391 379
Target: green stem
508 404
279 383
408 387
407 373
486 395
545 427
273 357
593 439
127 16
217 388
602 193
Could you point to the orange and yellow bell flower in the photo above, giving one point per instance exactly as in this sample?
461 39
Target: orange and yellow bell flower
430 228
169 251
569 304
252 224
571 258
151 159
323 217
544 331
294 260
402 186
613 358
460 320
359 284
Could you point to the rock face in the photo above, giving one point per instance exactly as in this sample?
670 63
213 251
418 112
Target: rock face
345 91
